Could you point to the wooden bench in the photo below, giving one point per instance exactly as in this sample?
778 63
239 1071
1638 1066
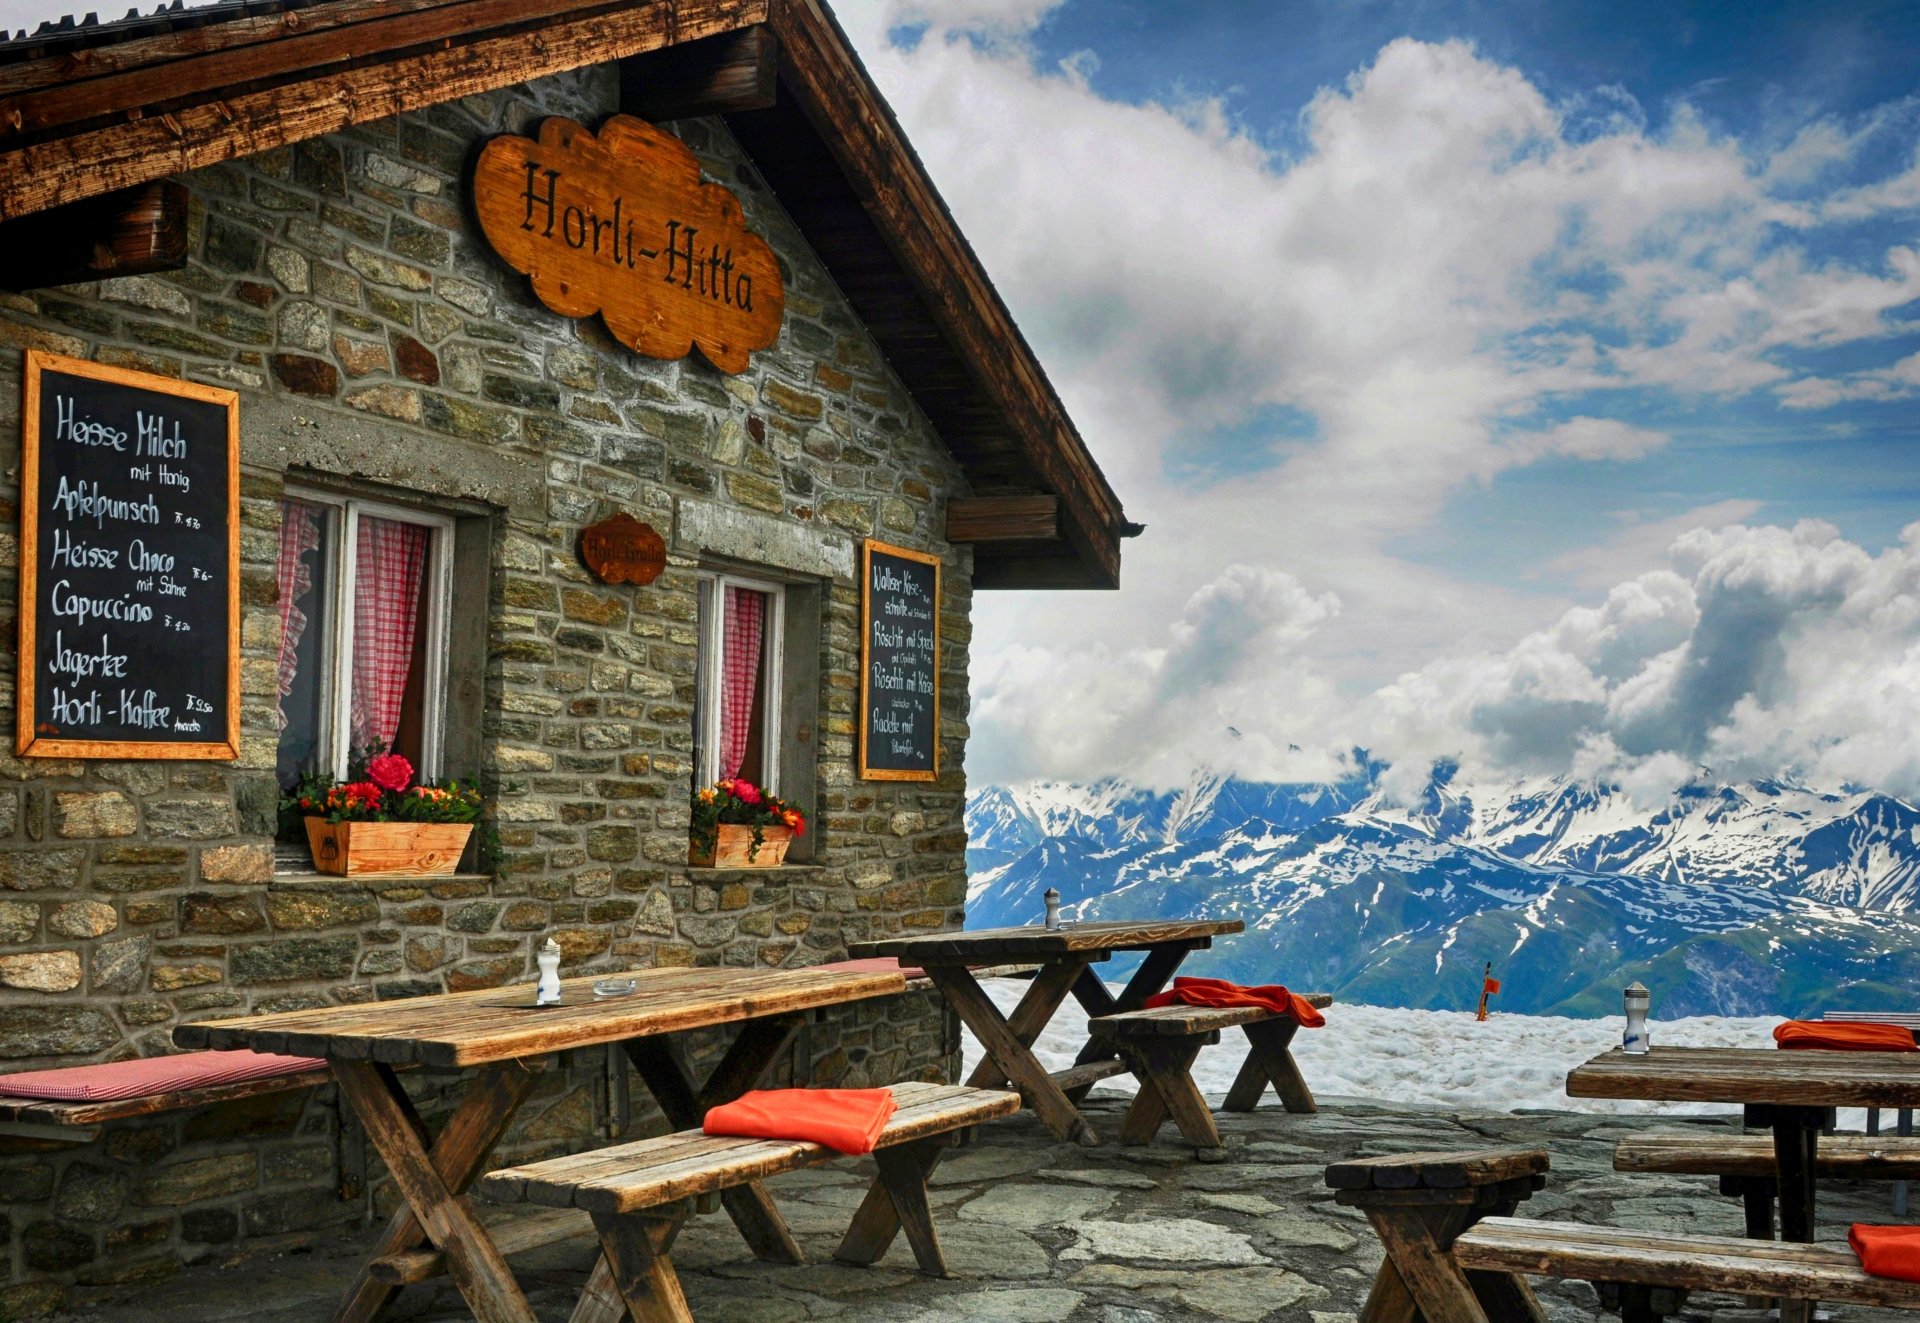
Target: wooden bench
46 1121
640 1194
1747 1169
1651 1271
1418 1204
1160 1045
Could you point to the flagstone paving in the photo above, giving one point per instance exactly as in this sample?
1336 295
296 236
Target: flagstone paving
1038 1231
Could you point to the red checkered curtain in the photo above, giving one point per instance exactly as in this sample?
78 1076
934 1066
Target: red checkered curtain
293 575
389 560
742 624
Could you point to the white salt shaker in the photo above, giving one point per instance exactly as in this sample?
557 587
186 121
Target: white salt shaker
548 991
1636 1039
1052 898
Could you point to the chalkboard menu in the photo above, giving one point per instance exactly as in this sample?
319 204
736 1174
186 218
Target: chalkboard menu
129 565
899 664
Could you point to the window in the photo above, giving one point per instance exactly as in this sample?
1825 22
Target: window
737 693
364 599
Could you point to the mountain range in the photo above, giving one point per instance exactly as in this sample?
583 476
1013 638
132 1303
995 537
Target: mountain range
1761 898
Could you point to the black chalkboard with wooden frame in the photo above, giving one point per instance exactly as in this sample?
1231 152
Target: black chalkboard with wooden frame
129 565
899 664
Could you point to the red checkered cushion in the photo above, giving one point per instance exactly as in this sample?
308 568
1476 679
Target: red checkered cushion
116 1081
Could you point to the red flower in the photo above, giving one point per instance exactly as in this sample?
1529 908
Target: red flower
746 792
390 772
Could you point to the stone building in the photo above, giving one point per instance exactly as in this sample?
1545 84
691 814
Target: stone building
314 248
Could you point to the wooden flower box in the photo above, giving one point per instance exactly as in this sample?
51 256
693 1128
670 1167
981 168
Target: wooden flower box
736 844
371 849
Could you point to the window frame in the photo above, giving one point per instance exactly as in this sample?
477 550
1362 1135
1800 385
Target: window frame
346 509
710 676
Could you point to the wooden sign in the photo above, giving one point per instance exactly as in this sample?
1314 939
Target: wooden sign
899 664
129 565
621 225
623 550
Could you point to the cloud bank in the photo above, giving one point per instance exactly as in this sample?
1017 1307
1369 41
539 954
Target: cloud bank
1298 364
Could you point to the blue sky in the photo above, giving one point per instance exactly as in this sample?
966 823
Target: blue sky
1491 377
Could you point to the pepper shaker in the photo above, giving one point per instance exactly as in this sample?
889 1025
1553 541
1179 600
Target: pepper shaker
547 993
1052 898
1637 1040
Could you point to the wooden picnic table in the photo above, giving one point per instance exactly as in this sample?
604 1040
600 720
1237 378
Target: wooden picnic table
1065 958
498 1031
1793 1093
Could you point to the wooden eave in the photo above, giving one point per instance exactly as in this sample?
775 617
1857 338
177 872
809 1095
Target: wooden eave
78 123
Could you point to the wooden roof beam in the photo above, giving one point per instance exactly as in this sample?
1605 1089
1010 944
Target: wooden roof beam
1003 519
119 155
733 72
131 233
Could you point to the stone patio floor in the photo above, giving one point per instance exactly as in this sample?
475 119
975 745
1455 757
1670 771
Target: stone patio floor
1038 1231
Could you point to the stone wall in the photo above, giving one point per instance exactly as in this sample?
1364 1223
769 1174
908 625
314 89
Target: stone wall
342 289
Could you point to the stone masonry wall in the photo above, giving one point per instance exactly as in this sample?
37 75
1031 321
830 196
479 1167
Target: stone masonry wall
342 288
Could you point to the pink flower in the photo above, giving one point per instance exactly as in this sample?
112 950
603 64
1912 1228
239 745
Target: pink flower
390 772
746 792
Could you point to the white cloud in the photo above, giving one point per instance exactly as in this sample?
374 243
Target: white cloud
1442 265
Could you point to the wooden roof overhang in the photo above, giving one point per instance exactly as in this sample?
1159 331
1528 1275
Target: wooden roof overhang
79 120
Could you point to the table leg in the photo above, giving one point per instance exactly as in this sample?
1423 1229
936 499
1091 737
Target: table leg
1009 1045
759 1045
1155 972
1030 1018
432 1183
1796 1146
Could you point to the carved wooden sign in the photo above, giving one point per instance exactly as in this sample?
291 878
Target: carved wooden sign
620 224
623 550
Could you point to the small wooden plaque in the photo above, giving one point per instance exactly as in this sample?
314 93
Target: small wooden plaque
623 550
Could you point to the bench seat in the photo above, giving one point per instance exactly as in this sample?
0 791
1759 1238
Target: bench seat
1861 1157
640 1194
1683 1262
1159 1045
69 1103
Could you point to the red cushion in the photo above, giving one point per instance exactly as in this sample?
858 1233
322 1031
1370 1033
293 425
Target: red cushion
848 1120
875 965
1844 1036
116 1081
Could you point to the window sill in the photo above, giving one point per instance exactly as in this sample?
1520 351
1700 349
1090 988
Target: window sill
311 881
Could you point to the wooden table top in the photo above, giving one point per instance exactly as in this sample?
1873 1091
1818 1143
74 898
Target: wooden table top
1757 1076
501 1024
1037 943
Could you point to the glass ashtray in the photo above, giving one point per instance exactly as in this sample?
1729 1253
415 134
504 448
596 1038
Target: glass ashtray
614 987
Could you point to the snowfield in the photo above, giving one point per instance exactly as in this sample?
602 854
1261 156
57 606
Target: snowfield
1434 1058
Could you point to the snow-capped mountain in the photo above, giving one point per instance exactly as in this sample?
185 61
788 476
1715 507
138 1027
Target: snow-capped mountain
1762 898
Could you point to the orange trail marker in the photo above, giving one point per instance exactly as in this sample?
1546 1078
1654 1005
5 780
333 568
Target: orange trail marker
1488 986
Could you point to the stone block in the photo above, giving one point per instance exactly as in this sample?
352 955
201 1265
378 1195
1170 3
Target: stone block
83 918
171 978
215 913
195 819
236 863
41 971
41 869
300 959
209 1226
55 1247
197 1179
19 921
578 944
32 1031
475 974
91 1194
120 966
320 909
